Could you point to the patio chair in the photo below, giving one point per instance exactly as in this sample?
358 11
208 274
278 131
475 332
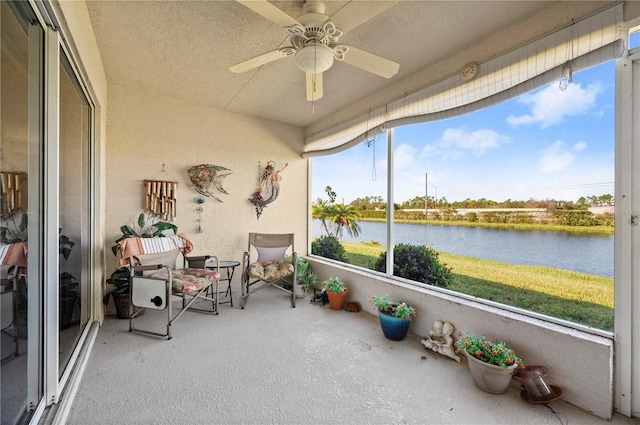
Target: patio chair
15 257
154 279
271 265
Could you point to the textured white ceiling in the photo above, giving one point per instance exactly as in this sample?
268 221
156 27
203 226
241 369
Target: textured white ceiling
185 48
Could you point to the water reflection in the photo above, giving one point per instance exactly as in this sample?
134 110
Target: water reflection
589 254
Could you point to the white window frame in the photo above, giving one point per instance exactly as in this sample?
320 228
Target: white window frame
627 240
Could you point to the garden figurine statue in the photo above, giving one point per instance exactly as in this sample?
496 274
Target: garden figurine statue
440 339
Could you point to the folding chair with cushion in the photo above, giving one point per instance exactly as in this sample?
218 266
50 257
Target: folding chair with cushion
14 258
154 279
271 265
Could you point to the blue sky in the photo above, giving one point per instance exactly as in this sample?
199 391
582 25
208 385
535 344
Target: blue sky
547 144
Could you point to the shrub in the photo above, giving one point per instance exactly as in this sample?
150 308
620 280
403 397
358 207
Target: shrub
328 247
418 263
471 216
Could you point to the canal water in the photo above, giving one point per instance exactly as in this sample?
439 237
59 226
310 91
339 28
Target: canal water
589 254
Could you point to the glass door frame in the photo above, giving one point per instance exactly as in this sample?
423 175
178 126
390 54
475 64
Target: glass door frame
45 384
627 236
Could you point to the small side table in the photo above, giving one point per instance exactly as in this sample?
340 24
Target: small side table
230 267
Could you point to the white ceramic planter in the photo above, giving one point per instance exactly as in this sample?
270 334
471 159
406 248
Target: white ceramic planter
490 378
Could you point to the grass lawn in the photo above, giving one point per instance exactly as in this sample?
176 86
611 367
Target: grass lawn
575 297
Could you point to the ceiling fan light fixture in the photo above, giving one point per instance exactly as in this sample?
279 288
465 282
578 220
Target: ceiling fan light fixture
314 58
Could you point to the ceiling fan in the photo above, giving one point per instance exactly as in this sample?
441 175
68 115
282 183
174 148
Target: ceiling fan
314 40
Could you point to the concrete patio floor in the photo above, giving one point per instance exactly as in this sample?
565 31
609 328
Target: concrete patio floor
271 363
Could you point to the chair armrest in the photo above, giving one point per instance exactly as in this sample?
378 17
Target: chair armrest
148 267
196 261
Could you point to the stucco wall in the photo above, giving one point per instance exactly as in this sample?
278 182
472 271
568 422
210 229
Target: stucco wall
147 132
579 363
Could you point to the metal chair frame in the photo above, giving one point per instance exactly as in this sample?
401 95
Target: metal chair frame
268 240
143 285
11 286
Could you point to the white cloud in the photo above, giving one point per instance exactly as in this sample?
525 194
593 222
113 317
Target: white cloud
582 145
551 106
456 142
430 150
404 155
555 158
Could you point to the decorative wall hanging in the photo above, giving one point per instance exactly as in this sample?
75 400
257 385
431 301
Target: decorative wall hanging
268 186
160 199
204 176
13 193
199 200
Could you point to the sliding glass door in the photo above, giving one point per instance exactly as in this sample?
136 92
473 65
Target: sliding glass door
21 125
45 212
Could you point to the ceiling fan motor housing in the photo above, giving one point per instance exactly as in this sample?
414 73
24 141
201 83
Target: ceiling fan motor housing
315 58
314 40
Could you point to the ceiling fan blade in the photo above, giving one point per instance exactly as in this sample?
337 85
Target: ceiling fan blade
358 12
257 61
314 86
269 11
369 62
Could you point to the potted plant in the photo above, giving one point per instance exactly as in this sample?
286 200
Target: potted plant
67 283
146 226
12 232
119 280
492 364
306 278
336 292
395 316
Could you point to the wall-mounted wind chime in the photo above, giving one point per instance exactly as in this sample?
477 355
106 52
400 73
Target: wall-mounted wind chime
160 197
13 193
199 200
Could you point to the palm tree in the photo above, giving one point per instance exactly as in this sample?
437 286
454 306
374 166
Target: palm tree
345 217
323 211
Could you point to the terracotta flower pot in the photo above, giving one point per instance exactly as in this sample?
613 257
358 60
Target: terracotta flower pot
490 378
394 328
337 299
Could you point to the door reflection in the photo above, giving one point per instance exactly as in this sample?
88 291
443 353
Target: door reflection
20 119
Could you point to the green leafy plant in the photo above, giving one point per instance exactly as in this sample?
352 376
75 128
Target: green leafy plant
328 247
494 353
394 309
147 226
305 277
418 263
119 280
333 284
12 231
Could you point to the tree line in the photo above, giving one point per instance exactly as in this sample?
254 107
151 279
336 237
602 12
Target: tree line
337 218
418 202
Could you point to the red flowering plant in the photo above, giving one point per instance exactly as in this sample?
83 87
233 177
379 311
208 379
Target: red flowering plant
495 353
